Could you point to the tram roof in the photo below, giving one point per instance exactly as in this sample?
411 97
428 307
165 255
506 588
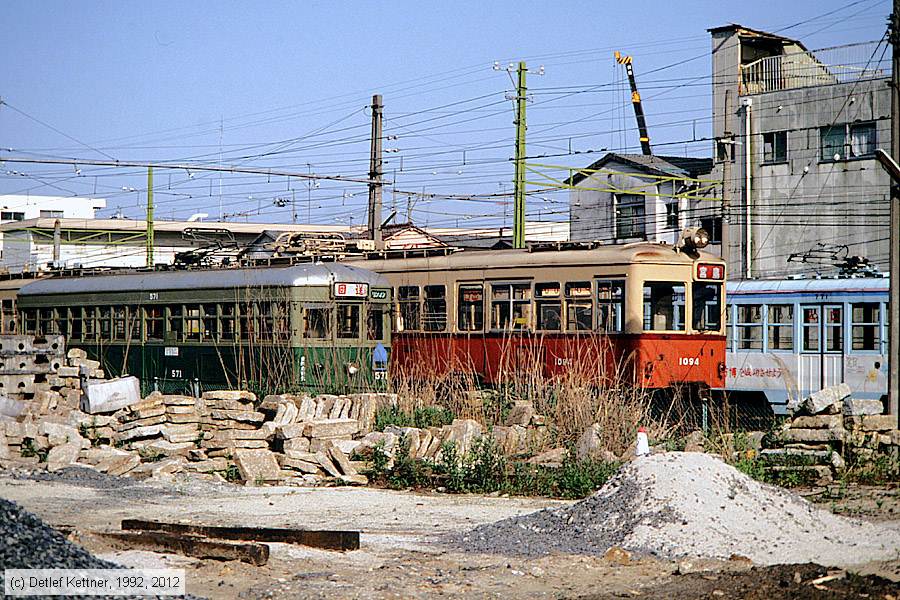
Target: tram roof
800 286
309 274
639 252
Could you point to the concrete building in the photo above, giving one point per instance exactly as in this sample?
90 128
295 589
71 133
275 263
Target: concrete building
796 132
630 197
15 208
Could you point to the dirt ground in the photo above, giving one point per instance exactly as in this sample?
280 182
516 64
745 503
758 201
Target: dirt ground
400 554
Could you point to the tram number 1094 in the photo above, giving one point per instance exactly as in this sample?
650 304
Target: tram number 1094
689 361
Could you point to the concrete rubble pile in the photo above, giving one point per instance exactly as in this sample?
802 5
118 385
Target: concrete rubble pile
828 427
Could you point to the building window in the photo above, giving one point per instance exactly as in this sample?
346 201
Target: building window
866 326
749 327
470 308
12 216
630 213
51 214
663 306
775 147
850 140
781 327
672 214
713 227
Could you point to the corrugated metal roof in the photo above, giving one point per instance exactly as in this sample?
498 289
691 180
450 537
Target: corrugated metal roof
311 274
678 166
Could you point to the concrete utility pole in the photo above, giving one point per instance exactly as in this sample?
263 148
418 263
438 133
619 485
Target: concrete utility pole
375 172
519 197
894 316
150 242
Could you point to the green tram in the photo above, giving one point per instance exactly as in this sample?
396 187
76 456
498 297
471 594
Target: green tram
322 327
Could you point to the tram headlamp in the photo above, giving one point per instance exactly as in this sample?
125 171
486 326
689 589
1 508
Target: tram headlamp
693 239
352 369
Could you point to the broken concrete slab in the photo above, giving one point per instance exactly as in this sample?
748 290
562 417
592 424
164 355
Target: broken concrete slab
813 435
857 407
326 463
340 459
330 428
825 400
520 413
297 464
63 455
818 422
244 416
550 458
110 396
240 395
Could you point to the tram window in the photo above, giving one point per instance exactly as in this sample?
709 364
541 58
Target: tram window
246 323
611 304
707 306
749 327
470 308
435 318
316 323
811 329
348 321
865 328
30 320
154 322
104 320
226 317
192 322
408 300
781 327
834 329
375 317
90 323
510 305
119 316
663 306
579 310
265 320
62 317
549 306
210 312
281 319
76 319
46 324
176 326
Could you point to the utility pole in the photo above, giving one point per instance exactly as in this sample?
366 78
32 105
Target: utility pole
519 194
150 243
894 316
375 172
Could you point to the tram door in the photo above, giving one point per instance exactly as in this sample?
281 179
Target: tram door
821 346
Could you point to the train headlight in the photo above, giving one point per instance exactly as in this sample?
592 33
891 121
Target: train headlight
352 369
693 239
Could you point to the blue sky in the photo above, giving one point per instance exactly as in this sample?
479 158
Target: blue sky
286 85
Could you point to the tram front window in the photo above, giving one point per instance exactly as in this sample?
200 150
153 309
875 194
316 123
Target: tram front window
348 321
707 306
663 306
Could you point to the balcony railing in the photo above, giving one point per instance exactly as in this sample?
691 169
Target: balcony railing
840 64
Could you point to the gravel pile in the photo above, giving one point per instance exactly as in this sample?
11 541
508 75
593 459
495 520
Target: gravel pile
26 542
678 505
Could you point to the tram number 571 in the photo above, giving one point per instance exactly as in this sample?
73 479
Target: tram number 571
176 373
689 361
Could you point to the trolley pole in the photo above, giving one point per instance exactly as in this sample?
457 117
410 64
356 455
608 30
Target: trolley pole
894 316
375 172
519 194
150 242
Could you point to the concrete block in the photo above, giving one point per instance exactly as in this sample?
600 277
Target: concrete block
207 466
63 455
244 416
123 465
110 396
857 408
589 444
306 409
329 428
813 435
355 479
298 444
326 464
90 365
180 433
550 458
823 400
336 407
879 422
76 354
257 465
64 371
818 422
139 432
241 395
58 434
520 413
340 459
290 431
463 433
11 408
297 464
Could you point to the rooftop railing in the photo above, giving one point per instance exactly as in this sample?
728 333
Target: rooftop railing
828 66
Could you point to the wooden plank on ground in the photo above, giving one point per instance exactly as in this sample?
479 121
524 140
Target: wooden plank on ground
324 539
189 545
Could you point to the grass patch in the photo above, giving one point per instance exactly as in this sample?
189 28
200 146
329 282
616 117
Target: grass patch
484 470
421 417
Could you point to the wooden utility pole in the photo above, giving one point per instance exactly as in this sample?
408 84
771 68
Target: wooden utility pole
894 316
375 172
519 194
150 241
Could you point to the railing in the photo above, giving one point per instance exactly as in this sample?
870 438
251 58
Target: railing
839 64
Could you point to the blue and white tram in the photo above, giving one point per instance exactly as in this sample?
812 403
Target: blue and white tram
788 338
